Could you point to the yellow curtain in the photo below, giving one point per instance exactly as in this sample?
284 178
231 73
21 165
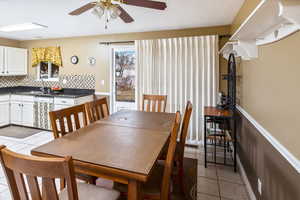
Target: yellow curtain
49 54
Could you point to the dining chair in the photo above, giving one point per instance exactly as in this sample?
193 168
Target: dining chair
158 187
65 121
179 156
154 103
97 109
179 153
21 169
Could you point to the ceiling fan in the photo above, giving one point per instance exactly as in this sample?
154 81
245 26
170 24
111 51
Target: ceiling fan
111 10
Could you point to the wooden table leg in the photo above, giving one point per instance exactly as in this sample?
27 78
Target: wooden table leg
134 190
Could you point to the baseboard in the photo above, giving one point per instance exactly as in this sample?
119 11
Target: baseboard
273 141
245 179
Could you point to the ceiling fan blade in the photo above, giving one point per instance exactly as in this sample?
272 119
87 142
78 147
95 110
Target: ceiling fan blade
83 9
146 3
125 16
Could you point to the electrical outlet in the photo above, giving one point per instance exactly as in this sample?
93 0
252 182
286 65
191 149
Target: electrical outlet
259 186
102 82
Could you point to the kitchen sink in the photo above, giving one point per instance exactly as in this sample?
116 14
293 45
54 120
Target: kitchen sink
35 92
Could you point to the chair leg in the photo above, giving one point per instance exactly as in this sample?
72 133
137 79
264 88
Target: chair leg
62 183
92 180
180 176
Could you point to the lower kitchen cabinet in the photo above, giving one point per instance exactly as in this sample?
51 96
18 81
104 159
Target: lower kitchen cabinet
31 111
16 113
4 116
27 114
22 113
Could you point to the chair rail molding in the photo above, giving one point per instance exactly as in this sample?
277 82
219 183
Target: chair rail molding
276 144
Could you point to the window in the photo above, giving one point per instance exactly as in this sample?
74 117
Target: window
47 71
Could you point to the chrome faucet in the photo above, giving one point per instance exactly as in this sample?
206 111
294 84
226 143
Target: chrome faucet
43 88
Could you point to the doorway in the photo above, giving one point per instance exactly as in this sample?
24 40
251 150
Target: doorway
123 78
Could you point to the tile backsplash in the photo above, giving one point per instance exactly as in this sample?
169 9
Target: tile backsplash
83 81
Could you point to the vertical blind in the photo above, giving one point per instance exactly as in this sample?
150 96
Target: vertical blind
185 68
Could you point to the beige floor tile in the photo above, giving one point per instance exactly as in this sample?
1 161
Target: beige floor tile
190 155
233 191
226 173
209 172
190 150
201 196
208 186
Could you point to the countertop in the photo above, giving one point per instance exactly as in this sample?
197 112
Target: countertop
35 91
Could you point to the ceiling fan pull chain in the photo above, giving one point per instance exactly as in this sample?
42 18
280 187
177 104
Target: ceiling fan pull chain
106 18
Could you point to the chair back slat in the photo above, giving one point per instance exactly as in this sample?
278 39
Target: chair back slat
21 187
97 109
159 106
67 120
77 121
49 189
184 130
34 187
148 105
154 103
17 166
165 187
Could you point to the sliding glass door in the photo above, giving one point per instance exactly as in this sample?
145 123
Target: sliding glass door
123 78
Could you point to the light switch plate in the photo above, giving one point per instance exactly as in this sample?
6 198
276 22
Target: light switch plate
259 186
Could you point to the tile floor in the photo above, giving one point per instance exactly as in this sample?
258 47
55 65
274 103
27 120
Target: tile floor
214 182
217 182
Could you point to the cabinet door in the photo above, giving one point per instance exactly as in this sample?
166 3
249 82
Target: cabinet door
4 117
2 66
16 113
16 61
27 114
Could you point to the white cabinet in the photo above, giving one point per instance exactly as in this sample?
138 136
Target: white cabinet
16 113
22 110
27 114
16 61
13 61
4 109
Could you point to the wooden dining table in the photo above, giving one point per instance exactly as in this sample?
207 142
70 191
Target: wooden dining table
122 147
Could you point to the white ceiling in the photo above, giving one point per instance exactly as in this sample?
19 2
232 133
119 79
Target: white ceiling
54 14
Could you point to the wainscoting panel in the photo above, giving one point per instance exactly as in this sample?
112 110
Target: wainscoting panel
280 180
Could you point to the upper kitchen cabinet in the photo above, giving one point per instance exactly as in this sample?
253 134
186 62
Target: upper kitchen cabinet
13 61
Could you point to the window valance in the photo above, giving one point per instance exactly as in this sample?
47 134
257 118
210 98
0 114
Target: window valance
48 54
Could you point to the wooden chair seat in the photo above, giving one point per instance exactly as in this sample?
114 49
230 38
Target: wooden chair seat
91 192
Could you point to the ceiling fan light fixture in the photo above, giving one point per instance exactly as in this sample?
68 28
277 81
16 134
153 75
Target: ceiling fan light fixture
114 12
98 11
